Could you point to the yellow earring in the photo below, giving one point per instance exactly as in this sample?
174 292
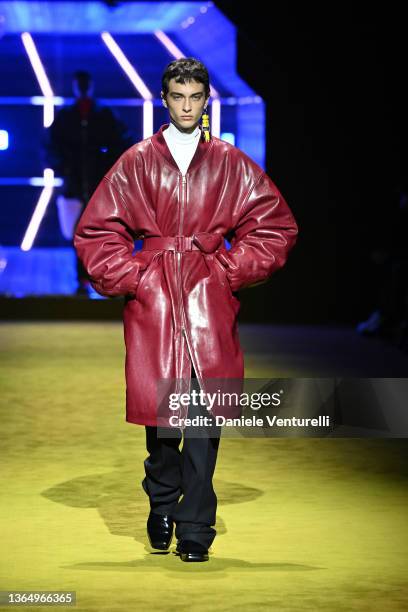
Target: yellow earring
205 123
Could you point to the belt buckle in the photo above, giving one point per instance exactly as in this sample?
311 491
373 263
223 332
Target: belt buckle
182 243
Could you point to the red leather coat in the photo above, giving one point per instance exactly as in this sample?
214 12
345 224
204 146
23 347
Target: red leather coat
180 290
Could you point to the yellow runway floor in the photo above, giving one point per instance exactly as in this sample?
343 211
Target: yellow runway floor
302 524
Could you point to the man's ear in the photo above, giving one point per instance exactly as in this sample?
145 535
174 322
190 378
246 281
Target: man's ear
163 99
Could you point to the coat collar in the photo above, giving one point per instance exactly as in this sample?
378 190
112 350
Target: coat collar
160 144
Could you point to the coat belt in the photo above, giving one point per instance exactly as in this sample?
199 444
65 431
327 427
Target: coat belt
202 241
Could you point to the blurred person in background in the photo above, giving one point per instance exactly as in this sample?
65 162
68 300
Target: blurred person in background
85 140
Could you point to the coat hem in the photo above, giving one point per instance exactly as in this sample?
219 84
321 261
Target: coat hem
140 421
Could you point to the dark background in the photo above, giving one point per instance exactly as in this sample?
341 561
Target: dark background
333 80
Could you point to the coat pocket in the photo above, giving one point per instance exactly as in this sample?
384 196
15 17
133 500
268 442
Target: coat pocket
226 282
223 268
145 275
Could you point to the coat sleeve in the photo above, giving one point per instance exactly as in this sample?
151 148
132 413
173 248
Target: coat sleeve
104 242
265 233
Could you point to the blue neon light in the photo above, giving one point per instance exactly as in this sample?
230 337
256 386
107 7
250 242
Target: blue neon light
4 140
93 17
228 137
199 29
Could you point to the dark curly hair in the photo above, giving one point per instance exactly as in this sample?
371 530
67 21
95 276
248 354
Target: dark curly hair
185 69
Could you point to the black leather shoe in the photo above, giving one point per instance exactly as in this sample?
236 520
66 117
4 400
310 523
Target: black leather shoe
160 530
191 551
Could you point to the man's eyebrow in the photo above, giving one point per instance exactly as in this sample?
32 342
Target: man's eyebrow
178 93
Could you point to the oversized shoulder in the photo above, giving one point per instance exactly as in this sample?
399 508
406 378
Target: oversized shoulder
253 178
133 158
136 156
236 157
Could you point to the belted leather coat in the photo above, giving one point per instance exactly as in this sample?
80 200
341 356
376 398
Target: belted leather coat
180 291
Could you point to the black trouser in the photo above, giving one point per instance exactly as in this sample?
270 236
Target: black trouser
171 473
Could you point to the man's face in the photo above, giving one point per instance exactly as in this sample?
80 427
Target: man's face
185 103
82 88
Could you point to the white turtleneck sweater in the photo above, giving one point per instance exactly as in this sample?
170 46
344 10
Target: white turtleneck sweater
182 145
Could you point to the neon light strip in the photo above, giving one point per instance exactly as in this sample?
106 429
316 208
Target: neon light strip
39 211
126 66
42 181
216 102
216 117
169 44
33 181
41 77
147 118
59 101
136 81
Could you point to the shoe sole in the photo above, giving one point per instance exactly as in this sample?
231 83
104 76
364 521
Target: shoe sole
195 557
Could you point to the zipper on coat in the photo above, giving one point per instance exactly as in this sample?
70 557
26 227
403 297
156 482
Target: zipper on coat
182 312
178 260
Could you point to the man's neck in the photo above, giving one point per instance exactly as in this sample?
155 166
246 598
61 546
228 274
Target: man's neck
182 136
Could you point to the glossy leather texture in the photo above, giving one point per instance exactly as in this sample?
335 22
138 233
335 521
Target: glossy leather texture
180 290
160 530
